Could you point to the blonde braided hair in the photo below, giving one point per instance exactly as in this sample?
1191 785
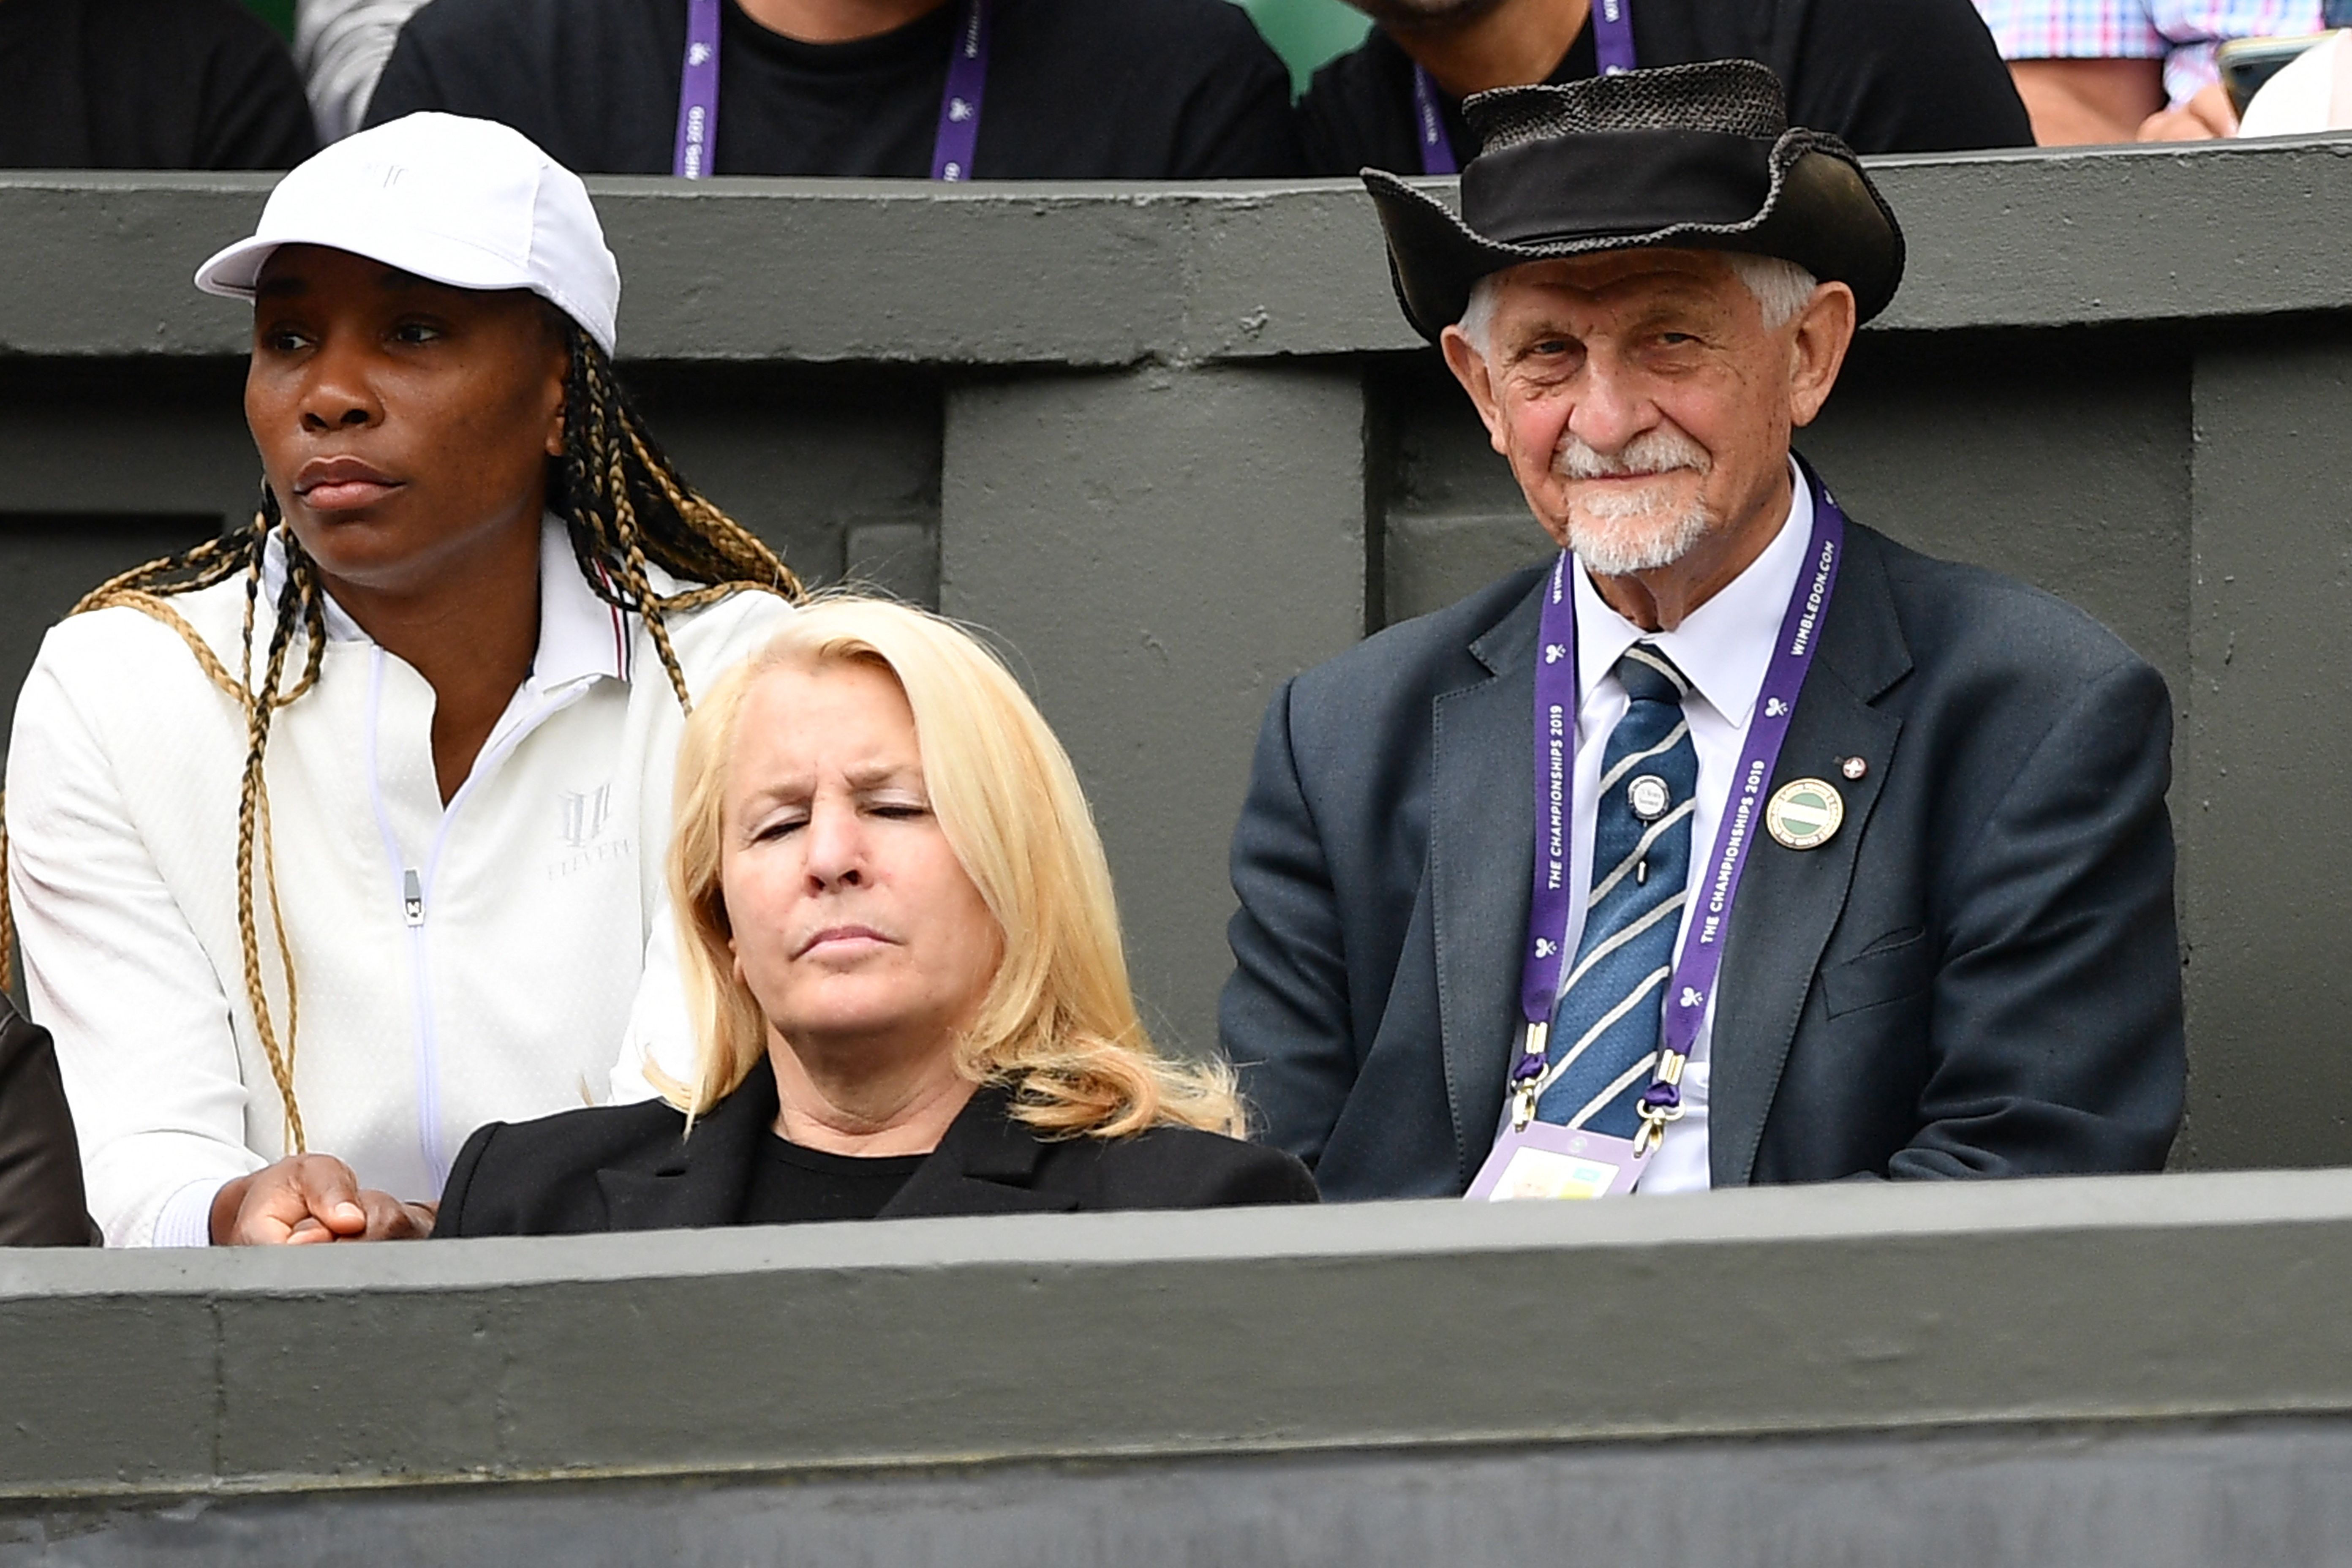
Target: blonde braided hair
626 507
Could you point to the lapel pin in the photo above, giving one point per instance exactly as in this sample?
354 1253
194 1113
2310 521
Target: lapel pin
1854 767
1804 815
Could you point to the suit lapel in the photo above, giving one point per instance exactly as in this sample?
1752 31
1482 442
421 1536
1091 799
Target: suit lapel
1481 856
1788 899
704 1180
985 1164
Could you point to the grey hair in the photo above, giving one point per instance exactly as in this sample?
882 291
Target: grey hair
1781 289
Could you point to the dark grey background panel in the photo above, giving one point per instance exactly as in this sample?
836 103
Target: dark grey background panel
139 437
2261 1493
2058 456
837 468
1157 550
2265 797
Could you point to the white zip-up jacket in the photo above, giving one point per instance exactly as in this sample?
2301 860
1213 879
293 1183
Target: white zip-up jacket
455 964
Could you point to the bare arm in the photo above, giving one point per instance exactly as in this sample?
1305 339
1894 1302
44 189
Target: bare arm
2078 102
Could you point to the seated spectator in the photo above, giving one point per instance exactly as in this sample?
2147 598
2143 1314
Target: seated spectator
1886 76
2126 71
340 47
903 961
326 834
40 1168
949 89
1834 860
147 84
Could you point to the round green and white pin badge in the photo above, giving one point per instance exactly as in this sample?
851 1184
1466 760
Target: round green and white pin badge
1804 814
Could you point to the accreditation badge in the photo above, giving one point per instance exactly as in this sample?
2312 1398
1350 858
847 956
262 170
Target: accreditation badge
1542 1161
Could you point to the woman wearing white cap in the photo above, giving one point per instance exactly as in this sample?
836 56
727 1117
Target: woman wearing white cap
399 749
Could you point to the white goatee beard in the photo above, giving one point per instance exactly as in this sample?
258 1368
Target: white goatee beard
1637 530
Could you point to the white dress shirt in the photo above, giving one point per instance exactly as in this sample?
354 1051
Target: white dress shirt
1725 646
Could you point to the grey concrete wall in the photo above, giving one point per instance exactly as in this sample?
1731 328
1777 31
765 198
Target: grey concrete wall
1174 445
2053 1370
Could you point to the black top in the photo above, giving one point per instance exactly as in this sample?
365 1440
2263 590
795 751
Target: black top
40 1167
147 84
792 1185
1077 90
1886 76
633 1167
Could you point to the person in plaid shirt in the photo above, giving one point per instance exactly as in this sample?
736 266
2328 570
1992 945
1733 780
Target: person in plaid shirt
2124 71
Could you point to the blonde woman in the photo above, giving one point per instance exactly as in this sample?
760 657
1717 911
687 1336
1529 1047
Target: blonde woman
899 943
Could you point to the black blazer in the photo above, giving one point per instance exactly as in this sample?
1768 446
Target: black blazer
1978 975
630 1167
41 1201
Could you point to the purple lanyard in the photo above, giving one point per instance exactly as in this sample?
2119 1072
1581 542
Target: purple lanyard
1613 47
1555 748
951 147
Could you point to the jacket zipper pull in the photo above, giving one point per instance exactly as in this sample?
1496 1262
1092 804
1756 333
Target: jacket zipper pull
412 896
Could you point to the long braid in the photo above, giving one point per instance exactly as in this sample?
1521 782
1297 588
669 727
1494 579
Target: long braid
253 816
626 507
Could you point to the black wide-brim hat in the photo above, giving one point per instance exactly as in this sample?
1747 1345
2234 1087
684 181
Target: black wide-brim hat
1697 157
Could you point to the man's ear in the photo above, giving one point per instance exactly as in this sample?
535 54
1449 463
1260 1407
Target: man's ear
1469 368
1824 331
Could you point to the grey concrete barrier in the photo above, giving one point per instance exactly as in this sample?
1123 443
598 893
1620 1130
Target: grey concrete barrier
1057 1363
1173 445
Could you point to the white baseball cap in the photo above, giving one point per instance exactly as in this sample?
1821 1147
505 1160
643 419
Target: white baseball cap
470 203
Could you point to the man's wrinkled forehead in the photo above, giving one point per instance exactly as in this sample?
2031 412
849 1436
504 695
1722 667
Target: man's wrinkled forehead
1619 277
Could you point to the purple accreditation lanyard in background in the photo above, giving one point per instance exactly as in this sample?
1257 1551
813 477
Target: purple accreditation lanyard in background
1613 48
1693 980
951 147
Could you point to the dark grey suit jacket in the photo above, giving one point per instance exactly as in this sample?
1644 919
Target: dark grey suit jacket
1978 976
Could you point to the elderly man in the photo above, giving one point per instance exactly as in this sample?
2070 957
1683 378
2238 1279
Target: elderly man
1741 844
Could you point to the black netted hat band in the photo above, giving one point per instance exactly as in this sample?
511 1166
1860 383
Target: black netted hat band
1735 98
1623 181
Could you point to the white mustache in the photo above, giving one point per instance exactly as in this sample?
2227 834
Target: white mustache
1651 452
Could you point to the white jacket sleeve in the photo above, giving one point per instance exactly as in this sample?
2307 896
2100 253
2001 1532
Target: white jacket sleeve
343 47
143 1034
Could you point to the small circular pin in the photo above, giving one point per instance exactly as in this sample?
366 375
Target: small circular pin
1854 767
1804 815
1649 797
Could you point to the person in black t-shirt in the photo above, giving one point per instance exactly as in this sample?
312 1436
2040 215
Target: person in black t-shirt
1141 89
147 84
898 940
1885 76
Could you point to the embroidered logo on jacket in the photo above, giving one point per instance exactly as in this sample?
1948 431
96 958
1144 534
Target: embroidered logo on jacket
583 818
584 814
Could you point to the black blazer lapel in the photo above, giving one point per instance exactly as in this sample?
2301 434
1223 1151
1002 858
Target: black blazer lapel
703 1180
1481 856
1789 900
985 1164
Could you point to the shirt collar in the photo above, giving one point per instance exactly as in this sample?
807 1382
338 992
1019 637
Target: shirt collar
1725 646
580 637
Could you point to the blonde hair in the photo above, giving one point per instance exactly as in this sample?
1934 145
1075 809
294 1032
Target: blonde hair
1058 1025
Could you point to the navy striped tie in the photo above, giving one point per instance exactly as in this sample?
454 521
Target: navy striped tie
1604 1031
